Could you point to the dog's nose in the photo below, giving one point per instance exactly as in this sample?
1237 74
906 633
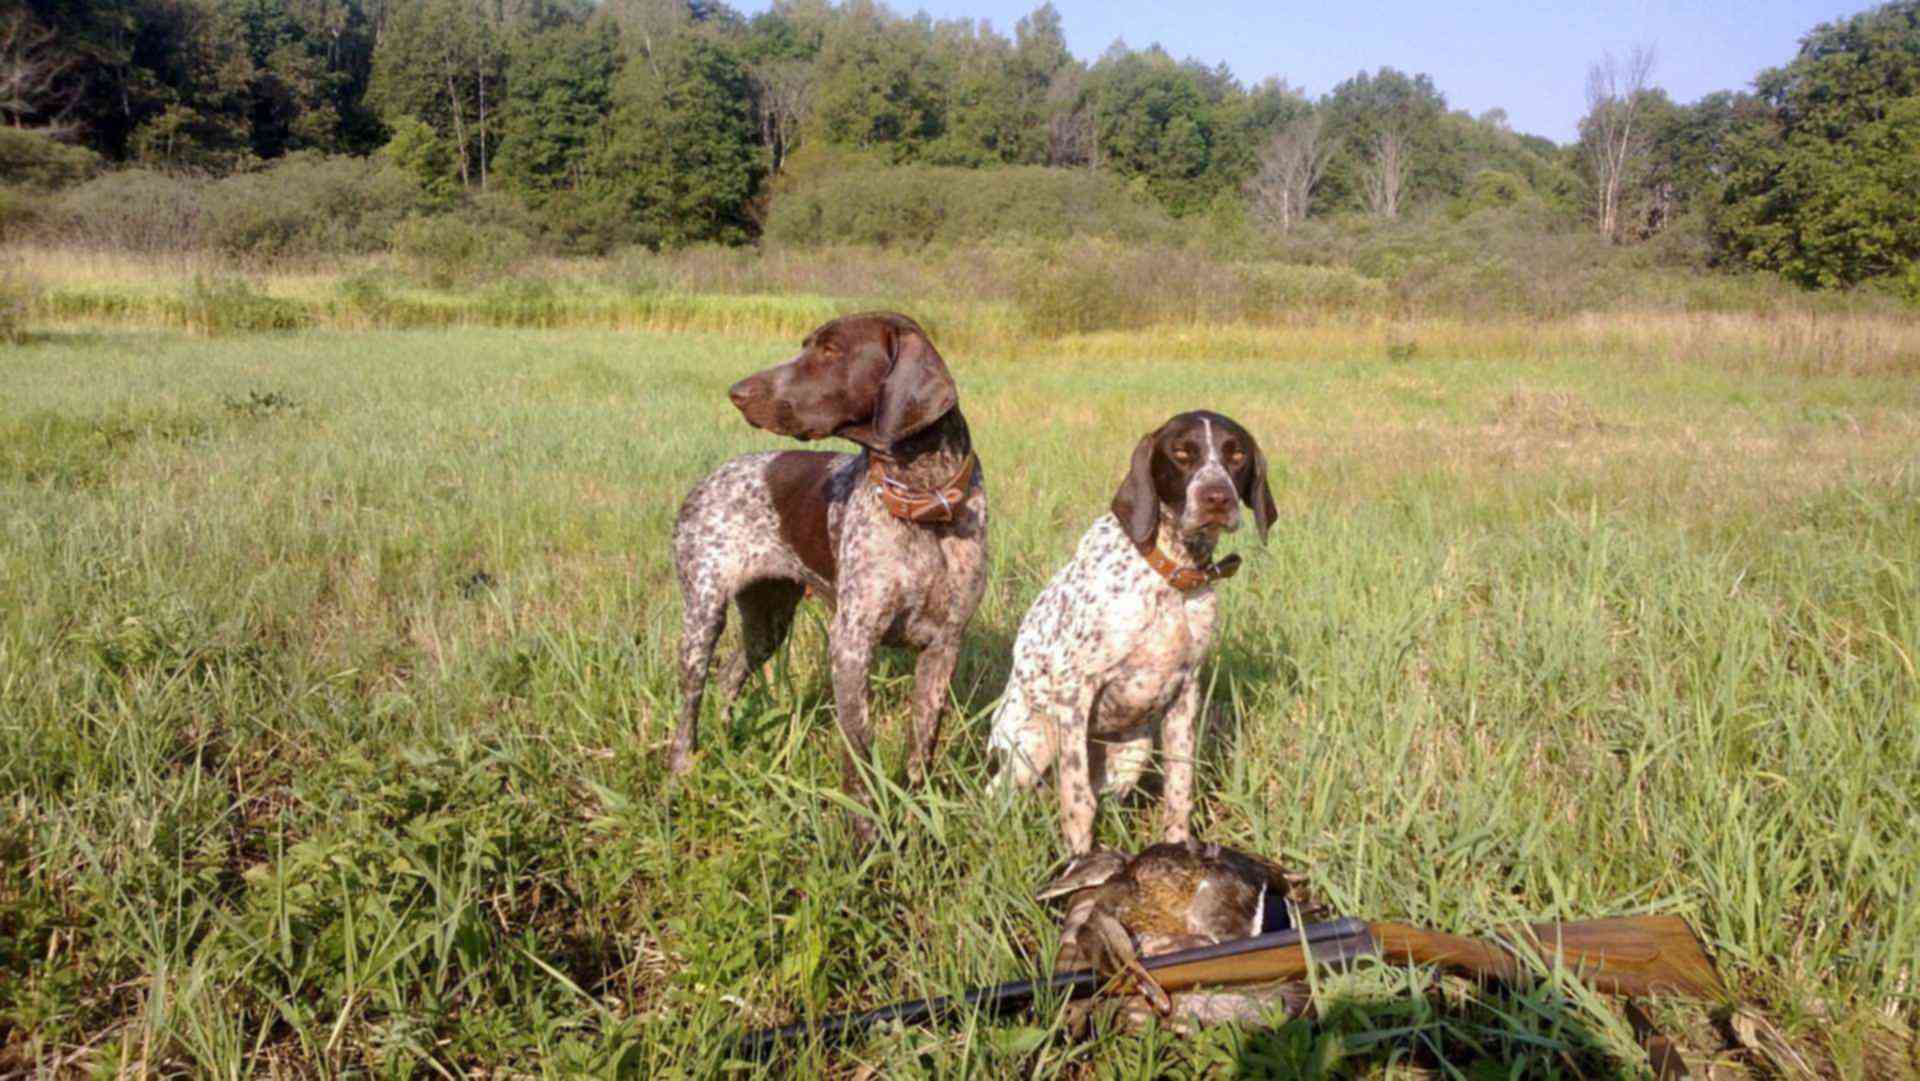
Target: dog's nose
1216 497
745 392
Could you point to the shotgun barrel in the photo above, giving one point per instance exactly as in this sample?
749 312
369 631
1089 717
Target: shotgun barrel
1327 943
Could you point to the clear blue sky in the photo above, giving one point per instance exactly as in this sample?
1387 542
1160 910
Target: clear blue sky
1529 59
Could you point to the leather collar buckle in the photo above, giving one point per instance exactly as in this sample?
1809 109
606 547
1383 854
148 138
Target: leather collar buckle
1188 579
931 507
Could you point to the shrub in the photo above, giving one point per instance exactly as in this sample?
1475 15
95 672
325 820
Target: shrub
417 151
1275 290
444 250
918 205
222 305
1490 189
522 302
132 210
638 272
367 293
1097 285
584 221
19 292
22 211
34 159
310 204
1057 297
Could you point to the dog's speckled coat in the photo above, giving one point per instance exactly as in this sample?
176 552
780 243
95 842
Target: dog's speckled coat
763 529
1110 650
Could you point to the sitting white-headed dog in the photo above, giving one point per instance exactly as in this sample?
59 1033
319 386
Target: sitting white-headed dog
1112 647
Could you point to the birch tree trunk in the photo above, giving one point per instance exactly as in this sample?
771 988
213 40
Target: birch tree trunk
1616 138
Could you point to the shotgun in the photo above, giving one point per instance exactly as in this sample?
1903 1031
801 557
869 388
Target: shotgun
1630 955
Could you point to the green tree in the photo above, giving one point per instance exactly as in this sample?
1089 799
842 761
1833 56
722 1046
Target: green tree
311 64
443 62
988 117
781 52
679 165
879 87
1824 189
1386 107
201 88
559 93
1154 124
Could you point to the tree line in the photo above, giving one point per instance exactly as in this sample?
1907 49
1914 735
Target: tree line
665 122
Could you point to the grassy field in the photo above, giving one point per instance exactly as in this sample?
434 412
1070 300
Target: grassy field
335 682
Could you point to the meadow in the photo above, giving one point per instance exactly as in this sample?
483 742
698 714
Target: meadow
335 682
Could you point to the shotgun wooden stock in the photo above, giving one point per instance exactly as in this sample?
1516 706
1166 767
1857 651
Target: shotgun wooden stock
1631 955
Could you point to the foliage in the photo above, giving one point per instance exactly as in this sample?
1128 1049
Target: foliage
559 88
1490 189
1155 123
133 210
416 149
37 160
19 295
308 204
221 305
441 62
678 166
443 250
1823 189
666 124
913 206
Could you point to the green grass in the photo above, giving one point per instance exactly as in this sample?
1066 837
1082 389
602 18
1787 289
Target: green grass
335 681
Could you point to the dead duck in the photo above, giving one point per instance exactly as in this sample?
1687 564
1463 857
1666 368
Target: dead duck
1169 897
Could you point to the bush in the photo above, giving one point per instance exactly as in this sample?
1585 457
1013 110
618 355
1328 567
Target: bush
1057 297
584 221
222 305
19 292
1490 189
22 212
35 160
1093 285
445 250
310 204
1275 290
132 210
919 205
638 272
368 294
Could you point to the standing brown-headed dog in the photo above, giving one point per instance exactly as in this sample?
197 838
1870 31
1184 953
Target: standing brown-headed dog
893 538
1111 649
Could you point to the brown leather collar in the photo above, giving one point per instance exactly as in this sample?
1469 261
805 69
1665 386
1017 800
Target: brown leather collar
933 507
1188 579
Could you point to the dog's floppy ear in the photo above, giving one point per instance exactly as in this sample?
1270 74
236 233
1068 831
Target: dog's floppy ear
918 390
1137 503
1255 493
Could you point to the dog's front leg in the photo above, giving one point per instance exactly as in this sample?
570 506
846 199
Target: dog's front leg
1072 714
851 641
1177 740
932 674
